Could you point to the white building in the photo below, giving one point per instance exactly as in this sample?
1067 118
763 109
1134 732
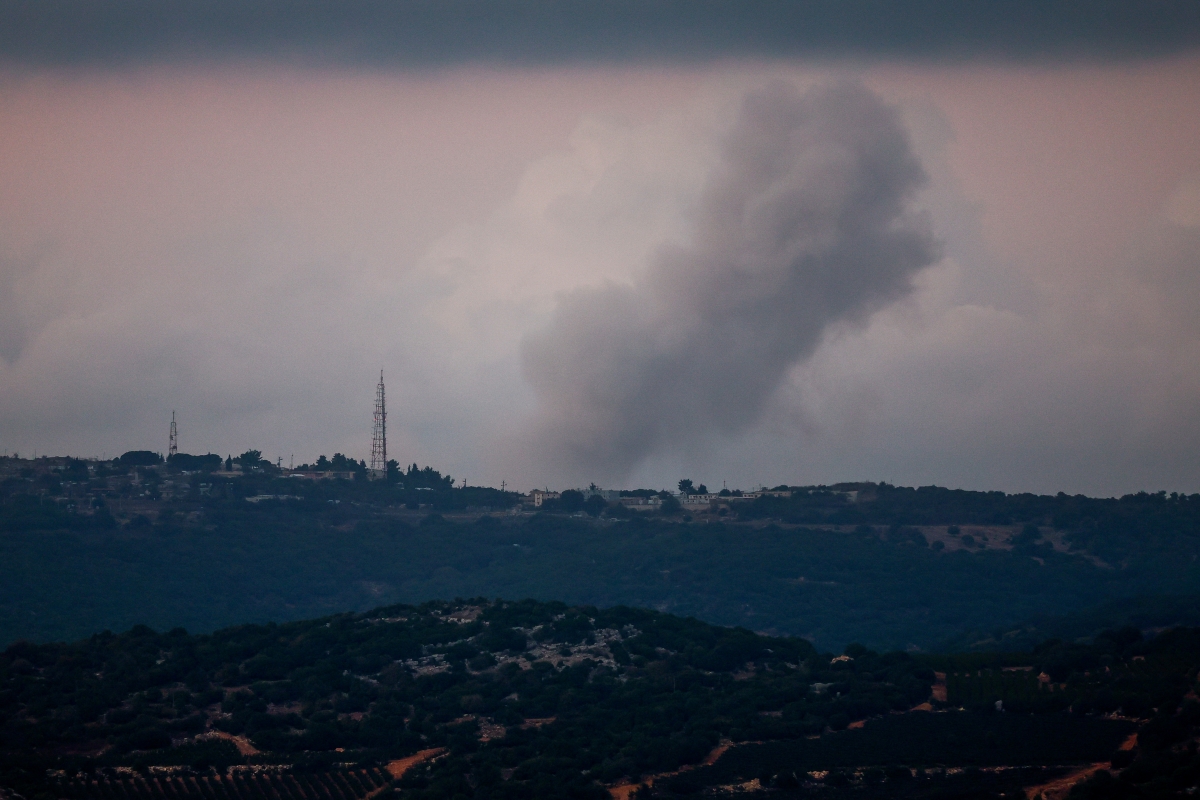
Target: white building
539 496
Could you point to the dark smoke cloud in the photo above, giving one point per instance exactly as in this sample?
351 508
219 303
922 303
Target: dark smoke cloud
805 224
443 32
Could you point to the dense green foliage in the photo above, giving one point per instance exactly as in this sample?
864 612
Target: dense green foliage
139 458
86 546
191 463
1146 612
64 575
1092 697
931 740
1089 517
630 692
1166 763
544 700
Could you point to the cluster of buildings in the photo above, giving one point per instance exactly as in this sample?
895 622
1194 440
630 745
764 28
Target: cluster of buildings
643 501
144 477
84 485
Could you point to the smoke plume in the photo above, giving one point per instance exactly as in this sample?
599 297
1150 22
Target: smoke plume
804 224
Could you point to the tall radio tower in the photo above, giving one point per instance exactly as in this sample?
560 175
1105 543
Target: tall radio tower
379 435
173 448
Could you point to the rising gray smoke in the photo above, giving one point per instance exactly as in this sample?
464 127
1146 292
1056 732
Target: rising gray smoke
804 224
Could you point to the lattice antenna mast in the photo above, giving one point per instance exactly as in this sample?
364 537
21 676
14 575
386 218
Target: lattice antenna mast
173 448
379 434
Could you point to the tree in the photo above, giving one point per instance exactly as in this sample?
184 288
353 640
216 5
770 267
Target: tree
191 463
1028 536
571 501
343 463
686 486
250 458
76 469
427 478
139 458
669 507
595 505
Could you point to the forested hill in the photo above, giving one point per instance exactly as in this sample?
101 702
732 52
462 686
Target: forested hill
493 700
1110 528
88 546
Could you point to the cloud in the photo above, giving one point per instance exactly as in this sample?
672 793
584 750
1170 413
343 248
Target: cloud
1183 206
804 225
249 246
14 327
422 33
34 293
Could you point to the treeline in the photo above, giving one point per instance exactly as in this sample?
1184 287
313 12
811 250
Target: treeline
1122 530
884 504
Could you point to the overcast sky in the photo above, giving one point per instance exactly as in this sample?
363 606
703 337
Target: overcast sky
614 242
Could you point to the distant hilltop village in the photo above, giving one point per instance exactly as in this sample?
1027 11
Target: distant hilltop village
133 486
688 497
142 486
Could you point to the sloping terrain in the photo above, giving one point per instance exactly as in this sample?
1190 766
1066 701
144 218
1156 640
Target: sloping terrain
62 578
490 699
90 545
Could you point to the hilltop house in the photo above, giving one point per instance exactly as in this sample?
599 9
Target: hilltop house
539 496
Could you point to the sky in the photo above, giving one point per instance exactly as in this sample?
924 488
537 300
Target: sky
622 243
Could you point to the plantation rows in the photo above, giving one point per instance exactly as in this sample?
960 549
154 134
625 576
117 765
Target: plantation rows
238 785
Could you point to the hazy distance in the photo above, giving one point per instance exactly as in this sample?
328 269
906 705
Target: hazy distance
246 228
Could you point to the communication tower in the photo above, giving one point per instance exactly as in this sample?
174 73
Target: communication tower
379 435
173 448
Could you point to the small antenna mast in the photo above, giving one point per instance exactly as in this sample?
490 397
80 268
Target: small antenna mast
173 448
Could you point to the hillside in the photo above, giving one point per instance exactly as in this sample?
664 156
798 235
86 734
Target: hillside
91 546
484 699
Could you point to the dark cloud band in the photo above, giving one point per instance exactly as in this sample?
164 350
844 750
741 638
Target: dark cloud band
432 33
